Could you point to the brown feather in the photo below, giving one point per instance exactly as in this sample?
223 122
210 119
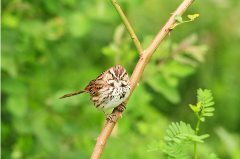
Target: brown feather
72 94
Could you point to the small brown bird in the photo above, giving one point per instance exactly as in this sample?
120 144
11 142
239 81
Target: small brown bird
108 90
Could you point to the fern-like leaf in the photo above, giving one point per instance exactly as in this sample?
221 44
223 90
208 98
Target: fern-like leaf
205 97
173 150
154 146
180 132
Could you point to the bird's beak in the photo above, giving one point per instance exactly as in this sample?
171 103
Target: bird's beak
117 79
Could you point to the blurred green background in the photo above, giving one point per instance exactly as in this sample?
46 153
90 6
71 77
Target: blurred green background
51 48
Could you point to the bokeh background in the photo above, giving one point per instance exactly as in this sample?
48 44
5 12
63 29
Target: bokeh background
51 48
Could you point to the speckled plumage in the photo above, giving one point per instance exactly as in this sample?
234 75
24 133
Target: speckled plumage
109 89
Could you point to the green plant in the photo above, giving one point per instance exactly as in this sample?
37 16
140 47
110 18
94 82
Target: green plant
180 21
180 135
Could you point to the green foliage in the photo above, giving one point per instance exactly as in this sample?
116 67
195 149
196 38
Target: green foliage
173 150
180 21
180 135
173 62
50 48
181 132
204 105
178 18
205 97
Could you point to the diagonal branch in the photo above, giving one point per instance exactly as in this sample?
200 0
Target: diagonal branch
137 73
128 26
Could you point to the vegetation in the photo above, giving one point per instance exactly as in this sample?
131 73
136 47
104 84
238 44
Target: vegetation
50 48
180 136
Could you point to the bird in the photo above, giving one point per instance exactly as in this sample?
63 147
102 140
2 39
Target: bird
109 90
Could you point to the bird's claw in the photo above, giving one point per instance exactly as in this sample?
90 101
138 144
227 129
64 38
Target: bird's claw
109 117
122 106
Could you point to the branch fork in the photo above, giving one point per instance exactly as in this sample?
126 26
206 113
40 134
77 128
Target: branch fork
145 55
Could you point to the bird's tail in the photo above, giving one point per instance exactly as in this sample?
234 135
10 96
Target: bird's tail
72 94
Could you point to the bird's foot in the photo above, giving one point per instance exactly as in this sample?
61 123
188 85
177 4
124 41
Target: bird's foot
109 116
122 106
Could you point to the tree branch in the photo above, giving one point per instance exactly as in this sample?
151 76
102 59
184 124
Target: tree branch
137 73
128 26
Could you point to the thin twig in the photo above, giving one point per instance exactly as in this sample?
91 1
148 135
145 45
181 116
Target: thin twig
137 73
128 26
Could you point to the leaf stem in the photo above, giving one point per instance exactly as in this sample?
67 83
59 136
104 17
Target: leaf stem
195 143
128 26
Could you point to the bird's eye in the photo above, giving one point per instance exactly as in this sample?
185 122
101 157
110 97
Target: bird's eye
112 76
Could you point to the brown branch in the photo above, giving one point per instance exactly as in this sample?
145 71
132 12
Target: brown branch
137 73
128 26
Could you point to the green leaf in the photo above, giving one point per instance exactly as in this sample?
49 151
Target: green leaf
163 146
186 134
202 119
177 140
172 129
168 138
206 93
175 127
179 127
158 84
181 137
198 140
110 50
207 100
177 148
175 151
204 136
176 69
170 133
194 108
153 146
184 127
209 109
207 114
190 130
193 137
17 106
205 97
178 18
200 91
209 104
